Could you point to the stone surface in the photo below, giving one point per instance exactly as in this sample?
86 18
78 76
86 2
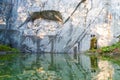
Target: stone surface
92 17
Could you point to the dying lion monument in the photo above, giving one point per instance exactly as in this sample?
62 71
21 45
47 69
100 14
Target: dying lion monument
46 14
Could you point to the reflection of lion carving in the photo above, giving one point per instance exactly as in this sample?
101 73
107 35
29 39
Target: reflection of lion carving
47 14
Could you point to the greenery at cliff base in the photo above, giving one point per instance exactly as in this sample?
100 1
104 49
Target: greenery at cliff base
7 53
7 48
111 53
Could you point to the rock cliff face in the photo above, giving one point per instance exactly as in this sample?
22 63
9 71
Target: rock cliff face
91 17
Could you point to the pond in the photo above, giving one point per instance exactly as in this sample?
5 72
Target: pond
58 67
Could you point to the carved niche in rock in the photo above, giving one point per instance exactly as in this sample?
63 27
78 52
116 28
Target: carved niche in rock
46 14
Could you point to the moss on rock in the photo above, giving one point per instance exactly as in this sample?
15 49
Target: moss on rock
93 43
7 48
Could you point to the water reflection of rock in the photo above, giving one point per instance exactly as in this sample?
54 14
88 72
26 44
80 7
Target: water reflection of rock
96 69
94 63
52 39
106 71
116 74
64 66
89 64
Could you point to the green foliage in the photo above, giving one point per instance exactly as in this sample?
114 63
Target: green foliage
7 48
109 53
111 58
8 56
9 53
106 49
115 48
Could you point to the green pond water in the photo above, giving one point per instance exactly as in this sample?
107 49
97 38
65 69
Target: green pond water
57 67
